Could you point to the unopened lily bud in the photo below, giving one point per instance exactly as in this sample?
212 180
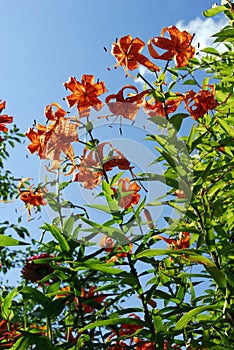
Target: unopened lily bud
149 219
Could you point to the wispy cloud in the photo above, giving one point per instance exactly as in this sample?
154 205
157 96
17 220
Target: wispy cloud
203 29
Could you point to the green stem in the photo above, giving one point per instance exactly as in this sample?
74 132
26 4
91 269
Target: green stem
145 80
148 317
58 197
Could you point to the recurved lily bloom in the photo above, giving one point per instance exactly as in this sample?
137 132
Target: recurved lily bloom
144 345
182 242
178 46
109 244
85 94
56 138
4 119
127 52
119 345
91 295
39 138
126 107
31 197
127 193
156 108
9 334
198 103
94 164
50 114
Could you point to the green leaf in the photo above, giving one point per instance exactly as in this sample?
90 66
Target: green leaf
183 321
157 177
68 225
34 294
190 254
101 267
225 33
214 11
21 344
226 127
177 119
6 241
113 232
56 232
7 312
30 338
100 207
190 82
112 322
210 50
218 276
55 307
158 323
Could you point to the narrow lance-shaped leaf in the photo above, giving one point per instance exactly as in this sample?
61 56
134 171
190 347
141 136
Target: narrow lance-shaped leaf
56 232
6 241
183 321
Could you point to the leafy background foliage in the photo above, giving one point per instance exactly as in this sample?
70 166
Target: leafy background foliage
139 296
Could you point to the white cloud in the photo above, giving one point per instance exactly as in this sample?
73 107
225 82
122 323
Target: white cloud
203 29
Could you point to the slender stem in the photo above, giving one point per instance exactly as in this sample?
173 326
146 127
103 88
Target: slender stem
58 197
48 322
100 158
148 317
145 80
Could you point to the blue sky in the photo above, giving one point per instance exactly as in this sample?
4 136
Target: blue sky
44 42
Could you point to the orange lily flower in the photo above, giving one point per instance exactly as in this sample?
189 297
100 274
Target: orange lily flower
4 119
9 333
60 137
178 46
126 107
199 103
129 329
31 197
144 345
94 163
55 139
127 52
182 242
119 345
85 94
127 193
38 139
51 115
108 244
93 295
157 108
